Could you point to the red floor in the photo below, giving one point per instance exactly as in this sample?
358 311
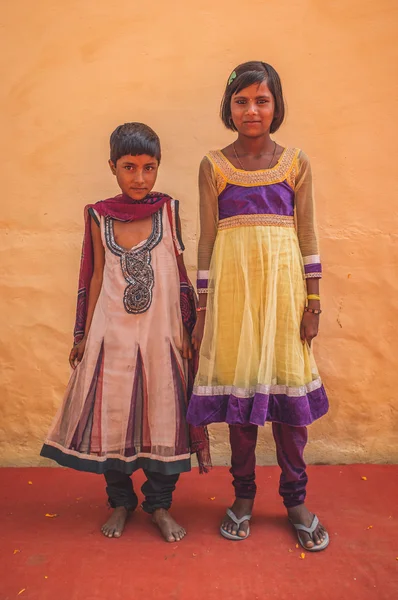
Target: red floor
67 558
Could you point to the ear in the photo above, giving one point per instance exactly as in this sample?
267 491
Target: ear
112 166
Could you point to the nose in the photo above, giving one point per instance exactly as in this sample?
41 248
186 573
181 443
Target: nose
251 108
139 176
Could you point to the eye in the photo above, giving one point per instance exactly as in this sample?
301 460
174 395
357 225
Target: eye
263 101
149 168
129 167
241 101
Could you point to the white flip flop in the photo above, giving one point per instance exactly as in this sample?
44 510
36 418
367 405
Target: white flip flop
310 531
234 518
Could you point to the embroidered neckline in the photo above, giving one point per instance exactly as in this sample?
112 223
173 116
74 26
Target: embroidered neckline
136 265
227 173
152 240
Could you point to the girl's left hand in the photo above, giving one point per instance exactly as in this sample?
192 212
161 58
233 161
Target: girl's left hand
309 327
186 345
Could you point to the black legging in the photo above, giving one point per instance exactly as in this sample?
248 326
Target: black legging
158 490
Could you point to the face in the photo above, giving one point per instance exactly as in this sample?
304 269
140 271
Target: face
136 175
253 109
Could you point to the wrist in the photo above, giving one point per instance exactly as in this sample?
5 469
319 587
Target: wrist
314 303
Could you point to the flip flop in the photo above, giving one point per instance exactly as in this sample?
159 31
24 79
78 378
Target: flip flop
234 518
310 531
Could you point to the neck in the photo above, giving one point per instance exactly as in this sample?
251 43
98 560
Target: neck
254 146
128 198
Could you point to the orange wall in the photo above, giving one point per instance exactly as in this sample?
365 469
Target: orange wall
71 71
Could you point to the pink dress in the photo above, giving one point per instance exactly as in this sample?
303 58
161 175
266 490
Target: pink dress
125 404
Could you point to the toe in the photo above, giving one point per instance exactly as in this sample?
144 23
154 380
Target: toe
117 534
308 543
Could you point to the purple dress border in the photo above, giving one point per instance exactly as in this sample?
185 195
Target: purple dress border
257 410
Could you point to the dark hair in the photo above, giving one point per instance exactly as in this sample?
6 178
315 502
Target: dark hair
134 139
246 74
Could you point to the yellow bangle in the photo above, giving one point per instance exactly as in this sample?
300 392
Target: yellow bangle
313 297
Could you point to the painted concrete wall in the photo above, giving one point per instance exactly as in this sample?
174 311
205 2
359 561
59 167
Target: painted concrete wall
72 71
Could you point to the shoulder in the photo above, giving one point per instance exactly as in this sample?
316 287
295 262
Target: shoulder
303 158
216 163
208 161
212 171
207 166
93 213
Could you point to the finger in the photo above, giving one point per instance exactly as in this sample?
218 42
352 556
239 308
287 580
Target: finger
302 333
72 357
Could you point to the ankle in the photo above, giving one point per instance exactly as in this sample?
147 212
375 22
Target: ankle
160 512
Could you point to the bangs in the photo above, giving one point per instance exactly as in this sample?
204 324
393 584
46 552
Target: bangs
247 79
134 139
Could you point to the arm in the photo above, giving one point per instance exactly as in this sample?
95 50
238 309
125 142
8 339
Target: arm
208 203
308 241
186 339
98 274
77 351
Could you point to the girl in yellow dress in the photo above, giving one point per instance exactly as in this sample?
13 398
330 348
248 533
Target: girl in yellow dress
258 278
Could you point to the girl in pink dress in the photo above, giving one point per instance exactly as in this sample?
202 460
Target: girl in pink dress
126 401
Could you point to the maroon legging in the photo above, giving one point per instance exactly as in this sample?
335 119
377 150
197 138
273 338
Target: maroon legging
290 443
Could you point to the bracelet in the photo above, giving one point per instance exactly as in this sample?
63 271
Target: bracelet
200 308
314 311
313 297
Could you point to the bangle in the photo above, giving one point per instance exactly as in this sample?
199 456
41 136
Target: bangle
313 297
314 311
200 308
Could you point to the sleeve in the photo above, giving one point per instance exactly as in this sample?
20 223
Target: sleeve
305 219
208 204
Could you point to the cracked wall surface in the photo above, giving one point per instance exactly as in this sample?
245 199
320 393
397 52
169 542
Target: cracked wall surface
73 71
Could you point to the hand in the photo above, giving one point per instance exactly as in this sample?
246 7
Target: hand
309 327
186 345
197 334
76 354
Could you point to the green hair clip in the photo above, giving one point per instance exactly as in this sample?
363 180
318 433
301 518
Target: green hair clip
232 77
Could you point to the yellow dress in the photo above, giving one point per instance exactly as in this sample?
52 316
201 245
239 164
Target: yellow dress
257 247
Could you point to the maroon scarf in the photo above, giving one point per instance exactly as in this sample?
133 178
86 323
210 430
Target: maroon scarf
122 208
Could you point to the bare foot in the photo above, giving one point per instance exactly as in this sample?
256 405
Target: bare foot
301 515
241 507
115 524
171 531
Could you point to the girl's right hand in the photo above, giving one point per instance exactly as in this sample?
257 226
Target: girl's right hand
76 354
197 334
